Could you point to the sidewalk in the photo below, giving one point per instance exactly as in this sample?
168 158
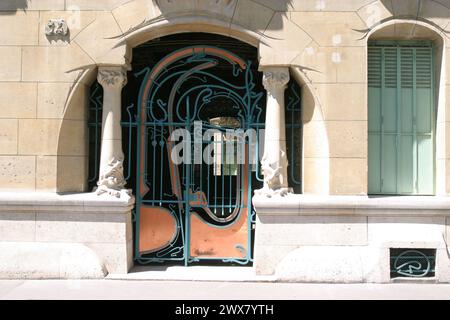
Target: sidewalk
186 290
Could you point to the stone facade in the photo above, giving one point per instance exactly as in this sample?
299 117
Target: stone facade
44 79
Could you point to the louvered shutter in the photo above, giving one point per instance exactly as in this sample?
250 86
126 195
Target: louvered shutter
401 119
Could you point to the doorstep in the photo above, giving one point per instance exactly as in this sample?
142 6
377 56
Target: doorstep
193 273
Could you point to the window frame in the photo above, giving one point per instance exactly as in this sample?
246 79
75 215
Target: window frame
397 44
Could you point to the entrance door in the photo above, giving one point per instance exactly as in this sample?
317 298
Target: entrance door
199 115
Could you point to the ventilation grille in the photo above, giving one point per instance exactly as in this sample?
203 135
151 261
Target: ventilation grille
412 263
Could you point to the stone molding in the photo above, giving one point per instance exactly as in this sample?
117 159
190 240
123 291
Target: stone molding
304 205
51 202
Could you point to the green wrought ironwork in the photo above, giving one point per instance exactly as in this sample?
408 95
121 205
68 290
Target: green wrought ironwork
203 87
413 263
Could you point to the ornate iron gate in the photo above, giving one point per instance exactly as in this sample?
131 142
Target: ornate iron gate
192 202
192 125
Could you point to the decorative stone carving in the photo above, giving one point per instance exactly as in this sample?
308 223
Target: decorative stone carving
112 180
112 77
275 79
56 27
274 162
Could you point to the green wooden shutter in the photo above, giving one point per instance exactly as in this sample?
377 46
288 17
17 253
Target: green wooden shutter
401 118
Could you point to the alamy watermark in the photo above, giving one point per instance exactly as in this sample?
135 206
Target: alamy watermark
214 146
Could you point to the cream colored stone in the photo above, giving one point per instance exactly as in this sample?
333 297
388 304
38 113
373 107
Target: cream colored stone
54 64
133 13
17 226
448 230
404 8
316 175
314 231
447 138
81 227
46 173
435 12
17 173
343 101
61 174
428 230
43 260
347 139
440 177
447 70
329 264
8 136
317 64
441 139
99 43
118 257
267 257
72 174
72 138
14 5
375 12
404 31
94 5
331 28
351 64
38 137
10 63
20 28
447 176
253 16
53 99
222 8
76 21
314 5
315 140
18 100
348 176
284 41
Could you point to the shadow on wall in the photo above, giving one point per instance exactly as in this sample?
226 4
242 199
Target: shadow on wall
11 6
256 15
425 10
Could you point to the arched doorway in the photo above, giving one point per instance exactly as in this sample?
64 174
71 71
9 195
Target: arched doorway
193 117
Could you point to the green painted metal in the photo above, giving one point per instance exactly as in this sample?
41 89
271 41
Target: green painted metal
401 118
243 90
412 263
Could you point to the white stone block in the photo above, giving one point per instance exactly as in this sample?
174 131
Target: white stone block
407 232
17 226
322 264
311 230
38 260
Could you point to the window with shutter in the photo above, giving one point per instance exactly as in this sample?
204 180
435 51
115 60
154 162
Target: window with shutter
401 118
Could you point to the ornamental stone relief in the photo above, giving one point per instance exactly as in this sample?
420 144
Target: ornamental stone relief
56 27
112 77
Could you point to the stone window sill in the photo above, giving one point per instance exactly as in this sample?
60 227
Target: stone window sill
353 205
74 202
